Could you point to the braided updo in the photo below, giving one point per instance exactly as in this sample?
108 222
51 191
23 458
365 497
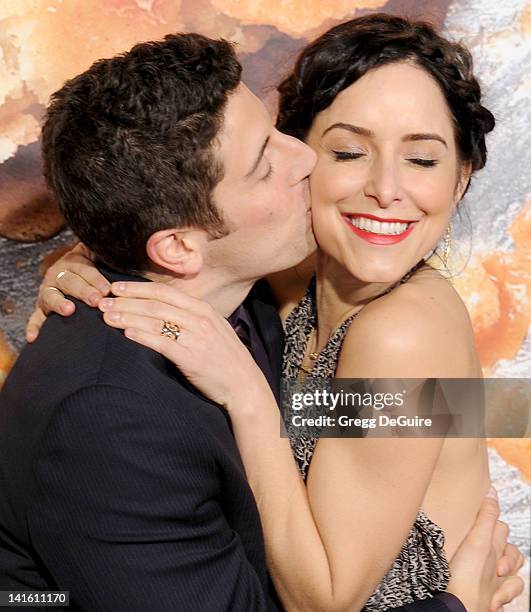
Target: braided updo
345 53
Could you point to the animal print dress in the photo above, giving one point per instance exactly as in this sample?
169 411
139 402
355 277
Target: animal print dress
421 568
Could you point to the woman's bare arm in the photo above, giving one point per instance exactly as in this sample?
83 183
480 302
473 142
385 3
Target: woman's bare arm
315 546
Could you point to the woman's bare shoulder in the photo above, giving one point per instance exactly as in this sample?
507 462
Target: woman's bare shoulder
422 328
428 289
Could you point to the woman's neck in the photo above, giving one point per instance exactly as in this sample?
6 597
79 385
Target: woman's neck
339 295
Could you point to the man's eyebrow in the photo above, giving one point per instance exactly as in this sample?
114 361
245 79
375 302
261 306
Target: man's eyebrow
355 129
414 137
259 158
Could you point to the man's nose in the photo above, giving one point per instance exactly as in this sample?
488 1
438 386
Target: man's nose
303 159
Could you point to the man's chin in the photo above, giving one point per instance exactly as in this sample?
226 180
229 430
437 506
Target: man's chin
311 244
306 251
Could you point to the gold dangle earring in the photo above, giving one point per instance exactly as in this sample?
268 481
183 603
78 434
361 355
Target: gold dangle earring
447 245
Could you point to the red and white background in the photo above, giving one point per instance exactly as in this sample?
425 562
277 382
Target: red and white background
45 42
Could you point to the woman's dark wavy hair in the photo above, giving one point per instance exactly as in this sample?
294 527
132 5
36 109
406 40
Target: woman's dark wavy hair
345 53
127 145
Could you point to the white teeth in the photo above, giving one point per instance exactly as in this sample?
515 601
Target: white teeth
377 227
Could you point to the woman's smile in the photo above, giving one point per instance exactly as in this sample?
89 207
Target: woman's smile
377 230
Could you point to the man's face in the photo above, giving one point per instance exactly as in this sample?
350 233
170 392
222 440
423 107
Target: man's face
263 196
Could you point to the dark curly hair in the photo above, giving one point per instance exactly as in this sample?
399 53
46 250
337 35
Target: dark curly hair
345 53
127 145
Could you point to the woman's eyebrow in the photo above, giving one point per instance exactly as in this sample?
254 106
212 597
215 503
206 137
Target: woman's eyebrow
355 129
414 137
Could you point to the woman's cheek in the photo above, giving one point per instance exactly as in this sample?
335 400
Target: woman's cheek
327 229
331 183
433 194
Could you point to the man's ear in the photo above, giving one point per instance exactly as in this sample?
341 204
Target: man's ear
465 172
180 251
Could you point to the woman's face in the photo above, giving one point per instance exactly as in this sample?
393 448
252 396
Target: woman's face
387 176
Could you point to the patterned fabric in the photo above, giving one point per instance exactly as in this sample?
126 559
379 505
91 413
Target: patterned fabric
421 569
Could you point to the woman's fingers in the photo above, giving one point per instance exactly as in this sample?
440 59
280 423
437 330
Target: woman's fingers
52 299
482 532
148 308
92 280
149 314
512 587
79 261
70 283
499 538
34 324
207 350
174 350
147 324
162 293
511 561
74 275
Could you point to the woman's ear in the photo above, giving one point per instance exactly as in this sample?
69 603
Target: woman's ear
465 172
180 251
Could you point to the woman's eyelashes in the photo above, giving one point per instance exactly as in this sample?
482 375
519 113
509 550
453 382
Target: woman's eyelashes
422 161
346 155
351 155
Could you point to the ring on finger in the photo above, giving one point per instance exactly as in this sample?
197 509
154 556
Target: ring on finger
170 330
55 289
60 275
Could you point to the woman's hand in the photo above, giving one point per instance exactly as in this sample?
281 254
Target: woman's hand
484 567
207 350
74 274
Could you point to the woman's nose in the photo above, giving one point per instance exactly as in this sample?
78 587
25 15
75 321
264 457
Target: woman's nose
383 183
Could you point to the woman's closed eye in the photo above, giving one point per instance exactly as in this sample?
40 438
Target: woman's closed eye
347 155
422 161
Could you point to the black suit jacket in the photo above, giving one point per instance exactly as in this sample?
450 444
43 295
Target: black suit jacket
120 483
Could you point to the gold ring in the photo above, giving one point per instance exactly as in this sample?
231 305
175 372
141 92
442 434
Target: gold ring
55 289
170 330
60 275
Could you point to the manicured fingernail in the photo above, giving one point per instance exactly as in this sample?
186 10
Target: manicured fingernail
492 493
106 303
104 289
114 316
119 287
94 298
30 336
